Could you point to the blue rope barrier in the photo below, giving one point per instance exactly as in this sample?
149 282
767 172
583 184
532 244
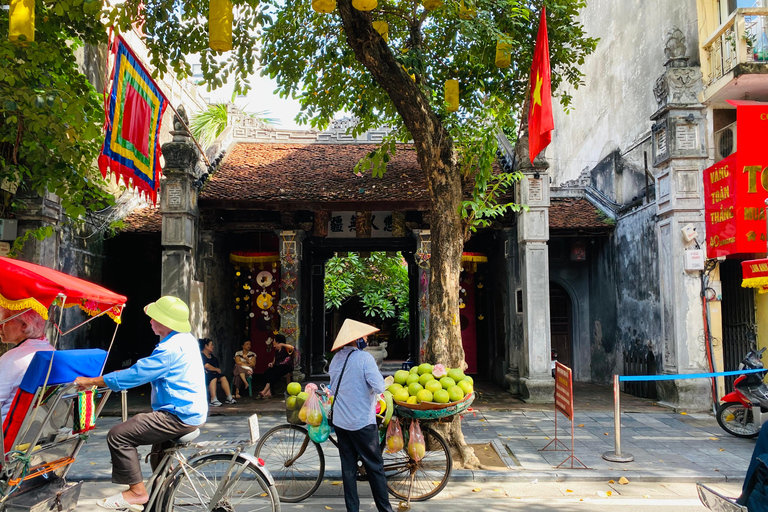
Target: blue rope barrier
636 378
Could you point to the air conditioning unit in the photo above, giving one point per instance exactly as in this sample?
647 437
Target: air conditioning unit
725 142
8 229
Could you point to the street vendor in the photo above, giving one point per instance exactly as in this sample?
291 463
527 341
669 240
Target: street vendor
26 333
179 403
355 383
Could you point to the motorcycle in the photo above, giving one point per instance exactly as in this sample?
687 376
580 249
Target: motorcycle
745 409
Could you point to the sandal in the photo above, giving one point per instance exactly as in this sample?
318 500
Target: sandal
117 502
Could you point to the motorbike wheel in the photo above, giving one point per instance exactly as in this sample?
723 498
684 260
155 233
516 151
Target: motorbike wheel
737 420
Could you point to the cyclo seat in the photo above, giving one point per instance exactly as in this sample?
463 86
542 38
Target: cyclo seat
186 438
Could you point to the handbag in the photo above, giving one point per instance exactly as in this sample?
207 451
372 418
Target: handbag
338 388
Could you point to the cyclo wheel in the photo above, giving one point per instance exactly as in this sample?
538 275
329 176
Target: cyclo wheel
295 461
430 474
193 486
737 420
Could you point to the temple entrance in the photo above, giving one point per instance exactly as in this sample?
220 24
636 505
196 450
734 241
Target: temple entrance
561 326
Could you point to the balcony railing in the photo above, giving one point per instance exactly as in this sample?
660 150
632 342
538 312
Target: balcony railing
742 38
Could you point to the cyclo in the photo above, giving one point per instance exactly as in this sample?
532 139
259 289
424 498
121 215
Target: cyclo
49 418
297 463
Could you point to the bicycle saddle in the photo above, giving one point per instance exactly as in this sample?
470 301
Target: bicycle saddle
186 438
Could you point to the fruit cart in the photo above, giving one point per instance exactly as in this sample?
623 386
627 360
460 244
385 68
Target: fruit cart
297 463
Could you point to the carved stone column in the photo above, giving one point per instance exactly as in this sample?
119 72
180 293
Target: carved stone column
178 204
679 156
289 306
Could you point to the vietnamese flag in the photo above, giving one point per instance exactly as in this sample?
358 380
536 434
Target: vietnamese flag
540 121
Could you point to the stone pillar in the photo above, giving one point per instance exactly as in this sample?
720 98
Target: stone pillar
679 156
178 205
535 377
289 306
422 257
40 212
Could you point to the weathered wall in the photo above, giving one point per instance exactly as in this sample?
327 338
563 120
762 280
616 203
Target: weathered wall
611 110
602 309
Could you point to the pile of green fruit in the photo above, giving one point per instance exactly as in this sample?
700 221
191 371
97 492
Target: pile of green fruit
294 401
427 383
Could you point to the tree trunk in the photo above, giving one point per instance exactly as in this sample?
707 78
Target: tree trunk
437 159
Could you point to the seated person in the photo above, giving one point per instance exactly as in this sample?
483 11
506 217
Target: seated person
245 362
26 333
280 365
213 374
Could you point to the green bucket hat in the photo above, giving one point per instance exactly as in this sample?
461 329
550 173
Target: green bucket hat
170 311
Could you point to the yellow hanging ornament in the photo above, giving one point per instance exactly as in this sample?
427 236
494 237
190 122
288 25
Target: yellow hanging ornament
382 27
220 18
466 13
324 6
503 54
413 77
431 5
21 20
452 95
364 5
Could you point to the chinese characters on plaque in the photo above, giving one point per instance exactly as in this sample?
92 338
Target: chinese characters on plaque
343 225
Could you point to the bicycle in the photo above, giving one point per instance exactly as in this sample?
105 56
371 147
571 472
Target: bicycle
219 477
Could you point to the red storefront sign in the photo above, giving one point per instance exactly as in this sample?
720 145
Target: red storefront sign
735 188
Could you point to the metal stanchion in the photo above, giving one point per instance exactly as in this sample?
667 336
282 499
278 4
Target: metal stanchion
616 455
124 403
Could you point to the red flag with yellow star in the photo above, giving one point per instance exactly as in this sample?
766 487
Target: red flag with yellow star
540 121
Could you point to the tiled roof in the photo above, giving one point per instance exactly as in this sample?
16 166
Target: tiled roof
573 214
143 220
313 174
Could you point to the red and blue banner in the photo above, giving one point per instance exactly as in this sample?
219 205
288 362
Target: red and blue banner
134 111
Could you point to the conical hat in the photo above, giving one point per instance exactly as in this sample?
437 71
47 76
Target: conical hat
350 331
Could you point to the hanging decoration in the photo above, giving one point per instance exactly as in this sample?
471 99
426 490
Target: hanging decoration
21 21
503 54
364 5
264 278
431 5
469 260
424 253
289 282
382 27
452 95
250 258
220 18
323 6
288 306
466 13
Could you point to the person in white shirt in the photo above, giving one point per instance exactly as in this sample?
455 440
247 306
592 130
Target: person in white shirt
26 333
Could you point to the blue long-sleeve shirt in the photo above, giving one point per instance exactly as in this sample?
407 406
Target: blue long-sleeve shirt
354 401
176 373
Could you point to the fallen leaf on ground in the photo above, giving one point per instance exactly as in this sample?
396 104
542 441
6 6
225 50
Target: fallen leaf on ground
606 433
684 413
568 490
497 490
713 439
263 495
646 495
336 483
435 482
722 449
623 481
604 494
581 424
546 437
611 481
328 508
476 489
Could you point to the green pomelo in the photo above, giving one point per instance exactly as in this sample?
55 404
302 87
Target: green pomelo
412 400
456 374
424 396
294 388
290 403
465 386
413 377
425 368
400 376
447 382
394 387
414 369
401 395
414 388
424 378
433 386
469 379
303 396
441 396
455 393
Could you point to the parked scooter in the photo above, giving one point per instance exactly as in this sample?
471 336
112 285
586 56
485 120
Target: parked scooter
745 409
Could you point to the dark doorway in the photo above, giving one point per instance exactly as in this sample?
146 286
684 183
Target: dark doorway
560 322
738 317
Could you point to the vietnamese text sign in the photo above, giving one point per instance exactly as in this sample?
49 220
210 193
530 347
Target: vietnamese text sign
342 225
564 390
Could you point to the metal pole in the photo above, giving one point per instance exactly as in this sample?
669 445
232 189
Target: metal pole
124 402
616 455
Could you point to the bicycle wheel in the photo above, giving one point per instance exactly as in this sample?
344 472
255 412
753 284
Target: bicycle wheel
194 485
737 420
429 475
295 461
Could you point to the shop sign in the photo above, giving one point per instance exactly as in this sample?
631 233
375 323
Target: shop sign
343 225
735 188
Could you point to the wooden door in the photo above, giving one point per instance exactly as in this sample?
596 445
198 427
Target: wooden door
561 323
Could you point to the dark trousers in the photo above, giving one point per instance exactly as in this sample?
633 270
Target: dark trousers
362 444
273 374
761 450
155 428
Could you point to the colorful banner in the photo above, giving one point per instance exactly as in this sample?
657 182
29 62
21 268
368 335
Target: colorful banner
134 112
736 188
755 275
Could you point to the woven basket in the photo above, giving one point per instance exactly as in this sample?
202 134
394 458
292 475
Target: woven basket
432 410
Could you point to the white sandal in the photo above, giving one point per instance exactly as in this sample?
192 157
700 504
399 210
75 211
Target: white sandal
117 502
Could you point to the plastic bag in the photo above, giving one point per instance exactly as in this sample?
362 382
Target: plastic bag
395 441
320 433
311 413
416 446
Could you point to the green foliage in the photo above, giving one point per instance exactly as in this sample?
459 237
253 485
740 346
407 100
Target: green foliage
40 233
380 282
210 123
50 115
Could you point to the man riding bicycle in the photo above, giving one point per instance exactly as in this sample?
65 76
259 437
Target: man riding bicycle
179 401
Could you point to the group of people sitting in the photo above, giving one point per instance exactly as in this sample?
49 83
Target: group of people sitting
245 364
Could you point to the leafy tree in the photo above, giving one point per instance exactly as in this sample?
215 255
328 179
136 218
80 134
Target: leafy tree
380 282
210 123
